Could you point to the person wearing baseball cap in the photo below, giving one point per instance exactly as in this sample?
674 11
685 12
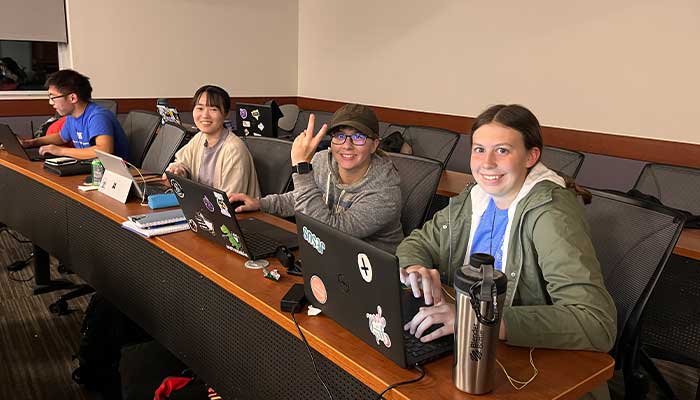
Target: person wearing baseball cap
353 186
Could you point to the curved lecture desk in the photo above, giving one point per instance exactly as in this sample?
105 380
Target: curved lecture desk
452 183
224 321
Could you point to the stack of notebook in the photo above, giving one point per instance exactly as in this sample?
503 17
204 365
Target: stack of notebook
157 223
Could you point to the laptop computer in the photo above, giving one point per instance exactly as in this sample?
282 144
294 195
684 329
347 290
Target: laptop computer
257 119
212 217
117 165
11 143
358 286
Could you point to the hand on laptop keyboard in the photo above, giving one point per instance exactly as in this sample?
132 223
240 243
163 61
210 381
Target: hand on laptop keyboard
432 322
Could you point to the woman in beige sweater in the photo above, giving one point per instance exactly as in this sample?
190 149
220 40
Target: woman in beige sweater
215 156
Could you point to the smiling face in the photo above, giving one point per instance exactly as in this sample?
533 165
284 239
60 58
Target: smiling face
353 160
500 162
209 119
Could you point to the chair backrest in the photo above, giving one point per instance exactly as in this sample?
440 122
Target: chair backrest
434 143
565 162
273 163
633 240
322 117
419 180
677 187
290 113
111 105
140 128
461 156
162 150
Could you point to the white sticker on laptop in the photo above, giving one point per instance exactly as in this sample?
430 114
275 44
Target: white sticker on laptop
365 267
177 189
255 113
222 204
377 323
318 289
246 124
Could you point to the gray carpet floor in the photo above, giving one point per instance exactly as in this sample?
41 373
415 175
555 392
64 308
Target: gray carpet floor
37 347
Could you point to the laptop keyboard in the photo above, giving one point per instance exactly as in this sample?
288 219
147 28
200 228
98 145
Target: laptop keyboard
259 245
418 352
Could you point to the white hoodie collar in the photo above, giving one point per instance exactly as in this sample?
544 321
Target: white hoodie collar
480 200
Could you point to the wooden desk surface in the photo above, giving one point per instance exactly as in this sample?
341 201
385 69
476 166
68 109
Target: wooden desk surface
452 183
563 374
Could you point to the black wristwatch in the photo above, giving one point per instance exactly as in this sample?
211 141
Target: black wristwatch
302 168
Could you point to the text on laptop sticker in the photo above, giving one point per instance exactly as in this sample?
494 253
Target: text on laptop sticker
233 239
377 323
313 240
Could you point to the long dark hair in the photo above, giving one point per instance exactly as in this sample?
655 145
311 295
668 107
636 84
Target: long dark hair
522 120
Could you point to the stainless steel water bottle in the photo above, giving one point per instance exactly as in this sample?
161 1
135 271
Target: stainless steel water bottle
480 293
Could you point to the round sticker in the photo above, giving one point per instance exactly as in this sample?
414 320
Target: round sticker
365 267
318 289
244 113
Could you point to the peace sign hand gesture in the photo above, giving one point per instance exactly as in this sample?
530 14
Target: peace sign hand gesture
305 144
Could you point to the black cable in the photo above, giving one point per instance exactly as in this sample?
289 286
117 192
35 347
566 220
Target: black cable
303 339
19 265
5 229
395 385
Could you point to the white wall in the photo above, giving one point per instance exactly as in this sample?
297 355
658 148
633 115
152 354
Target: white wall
625 67
142 49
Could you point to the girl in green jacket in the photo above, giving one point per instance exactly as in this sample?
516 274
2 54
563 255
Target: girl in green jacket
522 213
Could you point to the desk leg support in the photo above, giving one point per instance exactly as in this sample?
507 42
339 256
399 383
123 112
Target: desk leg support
42 274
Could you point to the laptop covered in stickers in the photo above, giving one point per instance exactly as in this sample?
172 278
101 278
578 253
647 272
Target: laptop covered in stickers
358 286
211 216
257 119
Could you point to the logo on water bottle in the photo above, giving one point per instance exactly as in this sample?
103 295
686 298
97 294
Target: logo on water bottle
477 344
475 355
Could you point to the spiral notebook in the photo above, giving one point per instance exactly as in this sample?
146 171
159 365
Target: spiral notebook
159 218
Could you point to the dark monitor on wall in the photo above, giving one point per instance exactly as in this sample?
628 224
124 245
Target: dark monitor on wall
257 119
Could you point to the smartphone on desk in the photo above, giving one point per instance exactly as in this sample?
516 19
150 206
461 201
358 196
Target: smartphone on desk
58 161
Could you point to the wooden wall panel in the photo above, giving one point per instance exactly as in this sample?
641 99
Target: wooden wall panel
650 150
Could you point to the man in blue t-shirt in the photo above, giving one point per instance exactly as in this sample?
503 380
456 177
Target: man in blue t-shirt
89 126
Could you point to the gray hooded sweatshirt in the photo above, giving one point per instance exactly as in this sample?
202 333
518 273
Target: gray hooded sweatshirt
369 209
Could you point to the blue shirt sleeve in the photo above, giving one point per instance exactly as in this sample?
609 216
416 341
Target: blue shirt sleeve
66 129
99 125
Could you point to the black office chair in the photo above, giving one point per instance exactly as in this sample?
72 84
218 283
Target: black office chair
285 125
565 162
140 129
633 240
433 143
671 321
162 151
322 117
273 163
111 105
419 180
